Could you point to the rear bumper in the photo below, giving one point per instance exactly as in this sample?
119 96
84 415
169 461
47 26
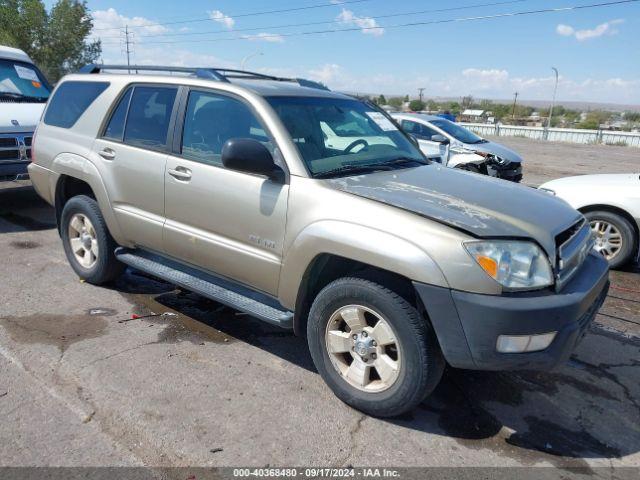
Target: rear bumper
468 325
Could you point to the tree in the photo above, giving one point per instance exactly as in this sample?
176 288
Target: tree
432 106
395 102
416 105
382 100
406 98
467 102
57 41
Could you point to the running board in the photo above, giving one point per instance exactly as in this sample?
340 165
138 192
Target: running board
210 286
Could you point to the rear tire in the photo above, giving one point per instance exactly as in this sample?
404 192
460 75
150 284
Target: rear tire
373 349
615 237
87 242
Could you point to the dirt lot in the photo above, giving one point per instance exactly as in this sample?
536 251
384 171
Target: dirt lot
82 384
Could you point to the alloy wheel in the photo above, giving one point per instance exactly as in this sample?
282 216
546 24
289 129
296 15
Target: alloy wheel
363 348
83 240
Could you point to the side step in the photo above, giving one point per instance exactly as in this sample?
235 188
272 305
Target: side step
210 286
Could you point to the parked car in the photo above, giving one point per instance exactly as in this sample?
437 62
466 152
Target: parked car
221 182
461 148
611 204
23 93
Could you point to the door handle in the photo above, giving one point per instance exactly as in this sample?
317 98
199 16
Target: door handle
107 153
180 173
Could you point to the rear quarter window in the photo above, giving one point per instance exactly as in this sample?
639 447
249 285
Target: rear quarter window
70 101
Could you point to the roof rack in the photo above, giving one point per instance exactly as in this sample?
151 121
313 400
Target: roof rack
217 74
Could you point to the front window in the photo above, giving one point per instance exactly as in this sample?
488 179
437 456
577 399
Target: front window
22 81
456 131
341 136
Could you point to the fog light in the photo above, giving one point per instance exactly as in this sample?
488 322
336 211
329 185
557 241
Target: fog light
524 343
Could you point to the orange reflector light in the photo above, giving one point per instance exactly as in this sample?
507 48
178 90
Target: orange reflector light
36 84
489 265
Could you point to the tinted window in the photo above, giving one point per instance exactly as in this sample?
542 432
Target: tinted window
115 129
419 130
149 116
213 119
70 102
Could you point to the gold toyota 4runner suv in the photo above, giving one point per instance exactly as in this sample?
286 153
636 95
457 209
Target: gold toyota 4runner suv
224 182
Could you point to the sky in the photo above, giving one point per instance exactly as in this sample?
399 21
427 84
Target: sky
596 50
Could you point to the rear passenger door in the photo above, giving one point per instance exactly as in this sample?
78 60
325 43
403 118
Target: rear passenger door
133 152
228 222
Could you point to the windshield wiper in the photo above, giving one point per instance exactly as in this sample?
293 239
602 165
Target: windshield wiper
21 96
353 168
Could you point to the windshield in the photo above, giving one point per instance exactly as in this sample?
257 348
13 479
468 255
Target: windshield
22 80
457 132
342 136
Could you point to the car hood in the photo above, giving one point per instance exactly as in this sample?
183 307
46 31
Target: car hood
20 116
495 149
479 205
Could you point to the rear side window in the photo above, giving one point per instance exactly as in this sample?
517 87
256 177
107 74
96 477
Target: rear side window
70 101
115 129
149 116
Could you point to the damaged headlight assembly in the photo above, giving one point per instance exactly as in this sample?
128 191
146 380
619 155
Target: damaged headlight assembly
514 264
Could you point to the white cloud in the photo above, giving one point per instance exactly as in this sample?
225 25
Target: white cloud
495 83
226 20
107 22
265 37
327 73
367 24
606 28
564 30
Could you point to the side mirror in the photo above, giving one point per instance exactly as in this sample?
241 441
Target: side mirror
249 156
441 139
414 139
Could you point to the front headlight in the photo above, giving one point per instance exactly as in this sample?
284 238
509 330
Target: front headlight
516 265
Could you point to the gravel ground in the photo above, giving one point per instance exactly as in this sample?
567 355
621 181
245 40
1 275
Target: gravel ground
83 385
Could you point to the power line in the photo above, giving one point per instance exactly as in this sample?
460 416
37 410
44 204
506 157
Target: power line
376 17
249 14
405 25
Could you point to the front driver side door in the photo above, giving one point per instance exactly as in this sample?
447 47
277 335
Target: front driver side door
227 222
423 134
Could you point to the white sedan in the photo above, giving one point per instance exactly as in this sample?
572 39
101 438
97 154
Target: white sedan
611 203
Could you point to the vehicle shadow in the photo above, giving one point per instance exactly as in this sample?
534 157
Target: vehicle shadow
21 209
588 408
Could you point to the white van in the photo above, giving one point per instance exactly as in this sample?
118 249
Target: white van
23 94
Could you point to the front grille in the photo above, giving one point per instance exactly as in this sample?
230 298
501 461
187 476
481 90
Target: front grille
573 246
7 142
15 147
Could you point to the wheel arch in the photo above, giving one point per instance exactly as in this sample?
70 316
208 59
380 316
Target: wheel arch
326 267
78 176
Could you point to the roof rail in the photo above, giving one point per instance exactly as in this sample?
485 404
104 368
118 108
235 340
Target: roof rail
209 73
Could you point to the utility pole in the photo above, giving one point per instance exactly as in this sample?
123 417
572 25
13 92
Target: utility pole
513 112
127 44
420 90
553 101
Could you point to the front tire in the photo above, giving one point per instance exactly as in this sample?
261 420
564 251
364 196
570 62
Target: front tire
87 242
372 347
615 237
